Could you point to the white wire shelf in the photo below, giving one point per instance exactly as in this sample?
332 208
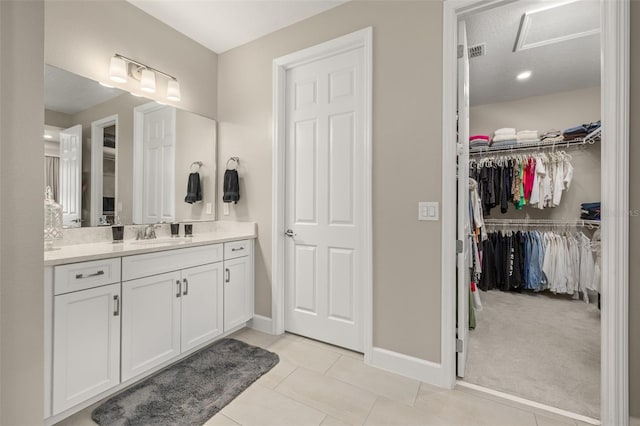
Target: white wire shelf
590 139
536 223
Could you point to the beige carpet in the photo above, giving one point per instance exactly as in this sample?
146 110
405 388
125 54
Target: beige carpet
541 347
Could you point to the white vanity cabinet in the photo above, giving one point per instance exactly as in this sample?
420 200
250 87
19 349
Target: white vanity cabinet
86 326
167 314
112 321
238 286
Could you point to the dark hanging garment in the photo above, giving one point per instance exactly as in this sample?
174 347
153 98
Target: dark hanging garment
194 189
231 187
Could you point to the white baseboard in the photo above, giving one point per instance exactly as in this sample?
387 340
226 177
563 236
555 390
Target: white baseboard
408 366
261 323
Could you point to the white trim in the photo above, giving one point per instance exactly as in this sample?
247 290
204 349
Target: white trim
528 402
362 38
415 368
614 358
261 323
97 140
615 200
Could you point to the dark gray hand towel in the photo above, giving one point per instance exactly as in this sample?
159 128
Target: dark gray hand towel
194 189
231 187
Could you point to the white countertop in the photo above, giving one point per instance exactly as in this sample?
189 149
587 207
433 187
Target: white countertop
107 249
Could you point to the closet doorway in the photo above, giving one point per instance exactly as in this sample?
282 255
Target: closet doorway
534 100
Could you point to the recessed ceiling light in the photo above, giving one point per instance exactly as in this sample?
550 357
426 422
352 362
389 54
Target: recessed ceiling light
524 75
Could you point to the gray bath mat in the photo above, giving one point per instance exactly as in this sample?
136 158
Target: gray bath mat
191 391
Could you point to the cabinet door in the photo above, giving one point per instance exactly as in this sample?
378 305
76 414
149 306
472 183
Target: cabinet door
202 309
150 322
86 346
238 304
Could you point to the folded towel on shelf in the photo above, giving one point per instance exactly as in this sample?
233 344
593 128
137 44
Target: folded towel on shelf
527 135
532 140
504 143
194 189
484 144
553 139
231 187
479 137
553 133
505 131
500 138
593 126
573 136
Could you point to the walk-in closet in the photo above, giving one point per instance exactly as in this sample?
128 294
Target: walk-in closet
531 152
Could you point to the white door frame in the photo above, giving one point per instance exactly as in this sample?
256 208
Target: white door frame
97 140
361 38
615 200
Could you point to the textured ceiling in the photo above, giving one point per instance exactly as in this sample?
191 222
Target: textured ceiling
565 65
221 25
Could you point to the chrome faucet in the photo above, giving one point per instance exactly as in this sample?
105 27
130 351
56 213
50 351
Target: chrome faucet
148 233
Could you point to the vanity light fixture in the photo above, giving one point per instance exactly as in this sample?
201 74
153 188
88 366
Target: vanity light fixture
524 75
120 69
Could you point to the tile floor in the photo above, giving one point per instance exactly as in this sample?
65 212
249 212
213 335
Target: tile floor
319 384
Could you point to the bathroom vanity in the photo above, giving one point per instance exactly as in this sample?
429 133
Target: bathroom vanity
116 313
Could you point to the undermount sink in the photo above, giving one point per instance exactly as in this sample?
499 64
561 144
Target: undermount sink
155 241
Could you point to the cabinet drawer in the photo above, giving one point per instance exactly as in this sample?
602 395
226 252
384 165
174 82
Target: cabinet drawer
84 275
235 249
145 265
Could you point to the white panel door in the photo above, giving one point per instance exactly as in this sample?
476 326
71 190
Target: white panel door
202 305
150 322
86 347
71 176
158 165
324 199
238 303
464 225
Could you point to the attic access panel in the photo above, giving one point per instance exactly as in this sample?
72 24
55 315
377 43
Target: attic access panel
557 23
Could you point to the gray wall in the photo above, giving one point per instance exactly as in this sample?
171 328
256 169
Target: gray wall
560 111
634 219
21 212
58 119
407 123
82 36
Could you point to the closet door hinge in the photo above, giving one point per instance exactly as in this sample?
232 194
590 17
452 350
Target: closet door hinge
459 246
459 345
460 51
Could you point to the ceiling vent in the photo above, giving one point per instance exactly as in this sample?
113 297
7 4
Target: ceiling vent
477 50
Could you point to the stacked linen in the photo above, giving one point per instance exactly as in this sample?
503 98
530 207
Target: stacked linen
590 211
577 132
552 135
527 136
479 141
504 137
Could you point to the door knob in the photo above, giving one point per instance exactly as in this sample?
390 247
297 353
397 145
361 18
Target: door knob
289 233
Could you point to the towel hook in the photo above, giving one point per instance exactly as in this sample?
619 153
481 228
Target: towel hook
195 166
235 160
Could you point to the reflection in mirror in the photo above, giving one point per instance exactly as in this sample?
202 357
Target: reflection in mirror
111 156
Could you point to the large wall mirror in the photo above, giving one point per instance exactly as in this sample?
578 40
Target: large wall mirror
112 156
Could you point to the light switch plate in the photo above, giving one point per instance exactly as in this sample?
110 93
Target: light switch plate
225 209
208 209
428 210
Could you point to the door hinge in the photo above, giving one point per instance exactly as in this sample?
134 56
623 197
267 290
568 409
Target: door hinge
460 51
459 246
459 345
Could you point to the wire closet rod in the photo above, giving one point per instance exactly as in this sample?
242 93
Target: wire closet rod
583 223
